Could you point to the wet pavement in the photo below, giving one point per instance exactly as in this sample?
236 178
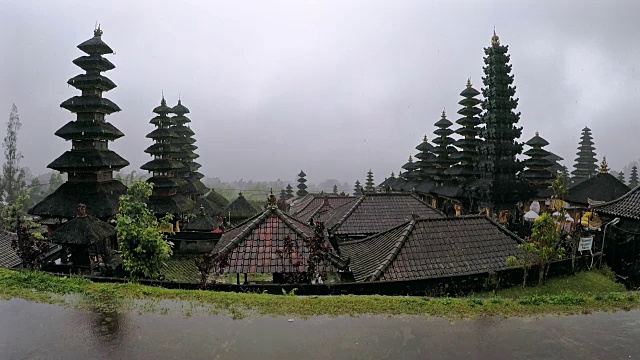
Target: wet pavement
43 331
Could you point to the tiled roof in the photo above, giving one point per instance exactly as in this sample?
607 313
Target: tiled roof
321 204
182 269
8 257
431 248
313 201
628 205
602 187
256 245
376 212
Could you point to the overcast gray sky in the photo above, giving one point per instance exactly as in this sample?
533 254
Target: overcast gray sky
331 87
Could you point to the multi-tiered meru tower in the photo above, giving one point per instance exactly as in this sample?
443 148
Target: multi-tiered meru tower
89 164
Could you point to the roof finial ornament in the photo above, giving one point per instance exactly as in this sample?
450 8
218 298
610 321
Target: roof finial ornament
495 40
163 101
97 32
604 167
424 139
537 133
444 114
468 83
410 158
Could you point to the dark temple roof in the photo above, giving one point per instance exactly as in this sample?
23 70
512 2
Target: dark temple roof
432 248
239 209
376 212
312 202
8 256
628 205
217 198
202 222
90 160
601 187
99 130
83 231
101 200
256 246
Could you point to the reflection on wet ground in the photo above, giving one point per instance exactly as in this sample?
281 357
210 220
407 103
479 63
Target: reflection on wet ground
42 331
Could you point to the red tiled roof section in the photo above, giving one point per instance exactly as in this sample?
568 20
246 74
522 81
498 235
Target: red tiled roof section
374 213
259 245
321 205
432 248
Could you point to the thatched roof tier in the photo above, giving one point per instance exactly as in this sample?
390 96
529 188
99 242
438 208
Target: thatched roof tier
162 148
195 177
101 200
162 182
239 209
162 165
202 222
180 109
174 204
209 207
202 188
182 130
180 119
88 161
94 63
189 188
161 120
217 199
161 133
83 231
162 109
89 130
95 45
97 104
91 81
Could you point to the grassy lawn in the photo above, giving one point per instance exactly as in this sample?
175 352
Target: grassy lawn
588 282
40 287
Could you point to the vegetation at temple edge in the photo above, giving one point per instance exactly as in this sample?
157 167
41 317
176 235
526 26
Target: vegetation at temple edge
13 182
583 293
142 244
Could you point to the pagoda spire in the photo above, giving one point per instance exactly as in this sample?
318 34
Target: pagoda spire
164 168
621 177
89 164
357 189
289 191
500 147
302 187
412 170
468 130
444 149
604 167
585 164
537 165
370 184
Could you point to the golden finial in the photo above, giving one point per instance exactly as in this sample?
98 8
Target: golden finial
495 40
468 83
604 167
444 114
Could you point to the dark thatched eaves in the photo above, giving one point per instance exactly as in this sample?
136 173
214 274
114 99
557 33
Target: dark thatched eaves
89 130
97 104
239 209
88 161
83 231
101 200
601 187
627 206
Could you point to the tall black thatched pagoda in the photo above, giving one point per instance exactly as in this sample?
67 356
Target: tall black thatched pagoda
467 168
444 150
302 187
426 159
89 164
586 162
164 168
500 146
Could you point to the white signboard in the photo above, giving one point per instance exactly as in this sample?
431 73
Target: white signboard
586 243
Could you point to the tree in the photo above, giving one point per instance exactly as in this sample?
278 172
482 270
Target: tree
13 176
633 179
30 247
542 248
35 192
500 148
143 246
55 180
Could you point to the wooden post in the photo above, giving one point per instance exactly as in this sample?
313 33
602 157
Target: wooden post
245 279
238 278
